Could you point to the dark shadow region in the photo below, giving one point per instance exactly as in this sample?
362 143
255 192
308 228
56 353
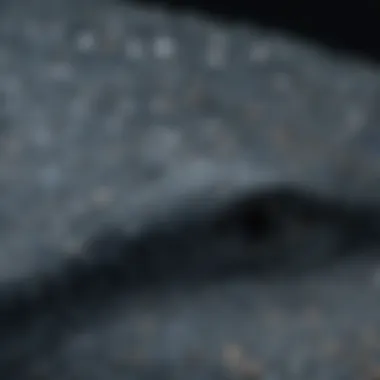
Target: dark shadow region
351 28
279 232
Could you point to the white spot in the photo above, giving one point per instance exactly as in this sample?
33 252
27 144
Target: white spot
356 119
134 48
127 108
159 105
42 136
5 57
102 195
164 47
259 53
86 41
61 71
51 176
216 55
161 143
282 82
376 278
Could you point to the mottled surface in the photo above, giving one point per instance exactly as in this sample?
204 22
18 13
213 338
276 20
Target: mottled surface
111 113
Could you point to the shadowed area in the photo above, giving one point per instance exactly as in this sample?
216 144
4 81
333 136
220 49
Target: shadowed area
253 237
350 28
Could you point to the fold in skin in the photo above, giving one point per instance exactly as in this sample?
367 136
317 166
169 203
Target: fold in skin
259 233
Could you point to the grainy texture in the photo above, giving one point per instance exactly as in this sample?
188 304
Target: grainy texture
113 114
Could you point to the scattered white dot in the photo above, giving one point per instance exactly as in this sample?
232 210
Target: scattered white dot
42 136
216 55
134 48
282 82
79 107
376 278
102 195
164 47
86 41
61 71
159 105
56 33
5 56
51 176
356 119
259 53
127 108
32 30
232 355
161 143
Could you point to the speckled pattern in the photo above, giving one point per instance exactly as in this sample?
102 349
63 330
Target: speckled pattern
110 112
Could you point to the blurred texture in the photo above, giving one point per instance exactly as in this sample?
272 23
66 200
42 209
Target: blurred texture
122 114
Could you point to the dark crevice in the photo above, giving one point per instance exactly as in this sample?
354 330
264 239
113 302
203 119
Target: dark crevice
279 231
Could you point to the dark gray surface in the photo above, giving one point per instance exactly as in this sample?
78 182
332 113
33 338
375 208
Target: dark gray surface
112 114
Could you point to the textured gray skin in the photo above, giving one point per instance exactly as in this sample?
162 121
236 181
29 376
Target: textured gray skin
112 114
